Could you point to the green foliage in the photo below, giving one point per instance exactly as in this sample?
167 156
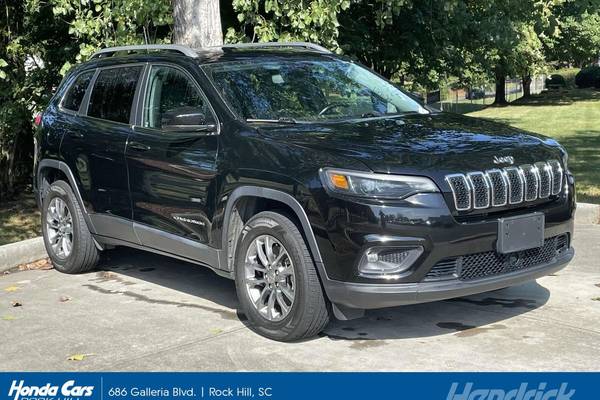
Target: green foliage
284 20
580 39
33 47
405 39
588 77
102 23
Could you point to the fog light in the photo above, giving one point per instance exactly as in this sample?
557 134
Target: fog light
386 262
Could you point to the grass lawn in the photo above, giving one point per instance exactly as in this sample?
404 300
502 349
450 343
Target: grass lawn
19 219
571 116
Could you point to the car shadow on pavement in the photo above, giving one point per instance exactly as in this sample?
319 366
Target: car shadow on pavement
464 317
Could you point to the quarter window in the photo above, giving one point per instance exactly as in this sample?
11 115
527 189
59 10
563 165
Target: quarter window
174 101
73 98
113 93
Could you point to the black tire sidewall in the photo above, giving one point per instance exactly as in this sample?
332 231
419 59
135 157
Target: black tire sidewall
272 329
63 191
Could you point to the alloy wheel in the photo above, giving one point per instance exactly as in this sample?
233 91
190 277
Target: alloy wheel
59 225
269 278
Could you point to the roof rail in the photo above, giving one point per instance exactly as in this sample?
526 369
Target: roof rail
306 45
109 51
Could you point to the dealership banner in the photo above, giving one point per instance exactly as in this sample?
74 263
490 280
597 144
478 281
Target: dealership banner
305 386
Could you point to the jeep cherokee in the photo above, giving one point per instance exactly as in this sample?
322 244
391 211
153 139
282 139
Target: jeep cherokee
318 186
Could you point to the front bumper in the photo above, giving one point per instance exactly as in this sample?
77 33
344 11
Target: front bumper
368 296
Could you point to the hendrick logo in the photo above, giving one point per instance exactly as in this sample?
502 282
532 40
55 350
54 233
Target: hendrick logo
68 391
504 160
521 393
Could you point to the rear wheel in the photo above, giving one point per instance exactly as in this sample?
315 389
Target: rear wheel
66 236
277 282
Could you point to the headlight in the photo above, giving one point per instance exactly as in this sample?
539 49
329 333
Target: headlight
380 186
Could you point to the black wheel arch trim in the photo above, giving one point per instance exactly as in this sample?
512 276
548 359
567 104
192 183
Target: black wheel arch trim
289 200
64 168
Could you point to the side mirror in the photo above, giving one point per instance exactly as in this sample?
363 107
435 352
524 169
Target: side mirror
186 119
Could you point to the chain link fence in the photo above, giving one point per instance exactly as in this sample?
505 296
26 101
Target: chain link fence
472 98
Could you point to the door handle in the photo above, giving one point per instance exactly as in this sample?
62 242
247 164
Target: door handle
138 146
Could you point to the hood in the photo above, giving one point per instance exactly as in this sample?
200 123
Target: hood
434 145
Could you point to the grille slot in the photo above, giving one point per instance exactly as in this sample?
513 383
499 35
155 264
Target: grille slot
481 189
531 182
499 186
557 176
516 184
511 185
460 190
491 263
545 175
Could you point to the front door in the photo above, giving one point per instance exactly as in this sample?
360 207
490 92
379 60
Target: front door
171 157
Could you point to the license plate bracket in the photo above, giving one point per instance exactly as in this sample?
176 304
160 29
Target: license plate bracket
519 233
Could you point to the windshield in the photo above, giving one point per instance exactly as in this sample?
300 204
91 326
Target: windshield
301 90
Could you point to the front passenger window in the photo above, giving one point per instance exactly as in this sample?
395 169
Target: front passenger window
173 101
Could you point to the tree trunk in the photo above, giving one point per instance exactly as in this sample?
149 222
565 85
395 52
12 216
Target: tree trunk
526 86
197 23
500 99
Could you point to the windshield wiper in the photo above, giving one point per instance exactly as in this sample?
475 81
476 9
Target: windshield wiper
282 120
372 114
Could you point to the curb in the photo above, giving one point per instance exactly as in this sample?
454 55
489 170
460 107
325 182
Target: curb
587 214
23 252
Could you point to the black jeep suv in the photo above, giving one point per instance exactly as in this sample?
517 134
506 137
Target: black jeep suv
319 186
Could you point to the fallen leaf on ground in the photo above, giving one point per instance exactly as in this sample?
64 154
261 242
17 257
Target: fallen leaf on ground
79 357
12 289
596 298
64 299
16 304
42 264
8 318
216 331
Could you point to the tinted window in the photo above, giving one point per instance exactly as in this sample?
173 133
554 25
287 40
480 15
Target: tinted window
74 96
113 93
307 90
174 100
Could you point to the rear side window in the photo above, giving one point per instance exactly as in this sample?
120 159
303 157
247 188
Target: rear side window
113 93
74 96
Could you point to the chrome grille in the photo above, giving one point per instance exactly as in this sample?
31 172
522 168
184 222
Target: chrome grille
512 185
545 175
557 176
531 182
481 189
491 263
460 190
499 186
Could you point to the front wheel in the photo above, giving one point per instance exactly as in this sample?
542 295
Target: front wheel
276 279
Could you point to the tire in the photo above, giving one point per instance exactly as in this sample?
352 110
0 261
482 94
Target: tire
83 255
309 311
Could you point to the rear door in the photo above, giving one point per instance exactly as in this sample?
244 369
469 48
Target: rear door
95 149
171 158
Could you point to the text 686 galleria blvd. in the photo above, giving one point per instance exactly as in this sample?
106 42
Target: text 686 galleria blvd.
191 392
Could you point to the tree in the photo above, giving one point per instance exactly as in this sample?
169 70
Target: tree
33 47
287 20
503 36
197 23
409 39
103 23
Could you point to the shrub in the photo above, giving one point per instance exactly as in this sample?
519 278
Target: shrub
588 77
556 80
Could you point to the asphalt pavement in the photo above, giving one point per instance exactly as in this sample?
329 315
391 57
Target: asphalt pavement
141 311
